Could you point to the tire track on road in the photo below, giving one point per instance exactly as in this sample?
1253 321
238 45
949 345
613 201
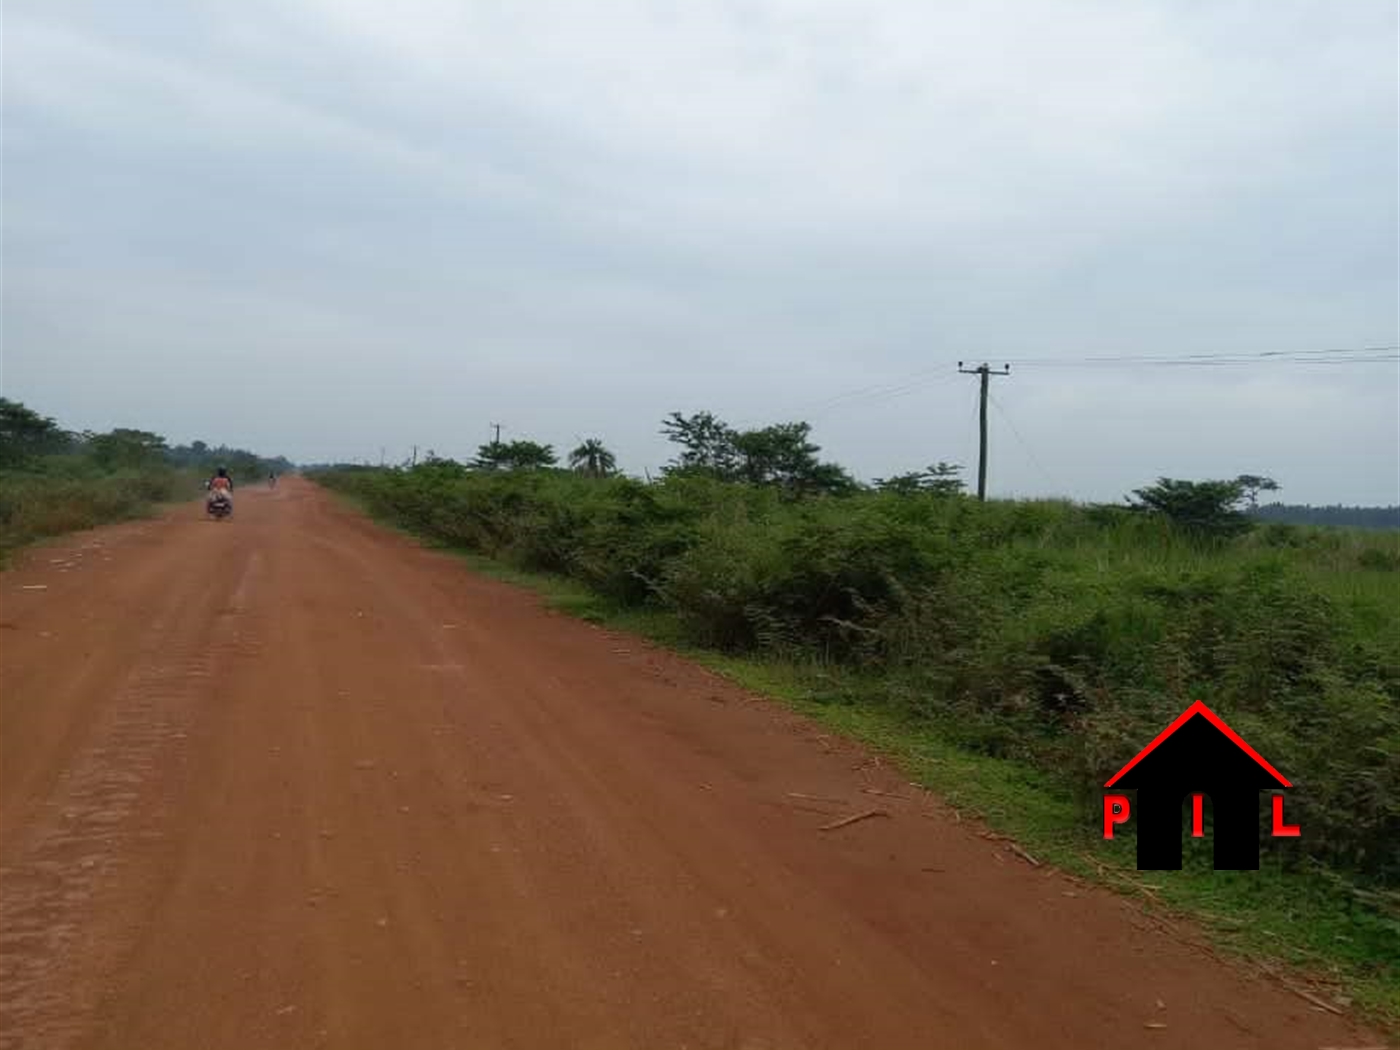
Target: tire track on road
68 885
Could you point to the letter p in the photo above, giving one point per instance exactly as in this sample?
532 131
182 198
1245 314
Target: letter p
1115 811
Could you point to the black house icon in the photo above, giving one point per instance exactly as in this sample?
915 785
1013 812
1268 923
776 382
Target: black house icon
1198 754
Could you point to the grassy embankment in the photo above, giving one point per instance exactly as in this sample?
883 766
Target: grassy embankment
54 480
65 494
1011 656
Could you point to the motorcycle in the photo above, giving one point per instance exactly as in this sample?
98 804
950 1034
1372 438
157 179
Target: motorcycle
219 505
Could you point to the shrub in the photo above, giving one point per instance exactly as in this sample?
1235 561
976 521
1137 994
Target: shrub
1066 636
37 504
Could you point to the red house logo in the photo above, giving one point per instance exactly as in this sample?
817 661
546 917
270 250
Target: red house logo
1199 756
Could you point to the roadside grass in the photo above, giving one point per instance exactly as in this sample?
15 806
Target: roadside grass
35 507
1346 955
1305 928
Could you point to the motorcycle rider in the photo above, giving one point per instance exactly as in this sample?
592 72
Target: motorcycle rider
221 483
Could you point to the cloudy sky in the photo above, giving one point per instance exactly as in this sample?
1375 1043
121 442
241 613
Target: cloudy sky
327 227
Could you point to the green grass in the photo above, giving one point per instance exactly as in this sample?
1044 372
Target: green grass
1300 921
1010 656
37 506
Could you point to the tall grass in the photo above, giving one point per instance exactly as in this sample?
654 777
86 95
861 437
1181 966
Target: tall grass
68 495
1060 636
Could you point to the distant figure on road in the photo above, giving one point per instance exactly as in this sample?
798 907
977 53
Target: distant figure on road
220 484
272 480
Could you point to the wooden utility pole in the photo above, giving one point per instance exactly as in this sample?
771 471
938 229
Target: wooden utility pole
986 374
415 456
498 433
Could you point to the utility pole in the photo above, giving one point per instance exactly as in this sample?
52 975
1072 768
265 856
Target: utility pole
498 433
986 374
415 456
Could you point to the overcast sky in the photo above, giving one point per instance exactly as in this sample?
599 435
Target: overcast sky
323 227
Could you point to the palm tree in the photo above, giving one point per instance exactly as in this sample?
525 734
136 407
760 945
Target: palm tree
593 458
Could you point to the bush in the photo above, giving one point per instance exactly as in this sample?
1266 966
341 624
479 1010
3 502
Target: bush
34 504
54 481
1066 636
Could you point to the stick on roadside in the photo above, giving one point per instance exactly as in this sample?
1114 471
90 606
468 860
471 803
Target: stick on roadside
1023 855
853 818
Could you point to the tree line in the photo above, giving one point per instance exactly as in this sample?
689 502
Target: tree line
784 457
1334 515
31 441
781 455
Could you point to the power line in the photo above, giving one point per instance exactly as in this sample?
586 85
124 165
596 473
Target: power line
890 393
1334 355
878 391
934 375
924 379
928 376
1025 445
860 392
1327 362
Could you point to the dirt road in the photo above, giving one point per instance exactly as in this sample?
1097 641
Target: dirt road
292 781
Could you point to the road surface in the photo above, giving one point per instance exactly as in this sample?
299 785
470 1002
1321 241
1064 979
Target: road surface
292 781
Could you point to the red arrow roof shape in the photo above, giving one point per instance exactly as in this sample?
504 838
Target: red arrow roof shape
1199 708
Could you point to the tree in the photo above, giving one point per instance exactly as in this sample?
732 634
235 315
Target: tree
491 456
775 455
780 455
593 458
1355 517
249 466
514 455
126 448
943 479
940 479
707 444
906 484
1206 508
24 434
1253 484
827 479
